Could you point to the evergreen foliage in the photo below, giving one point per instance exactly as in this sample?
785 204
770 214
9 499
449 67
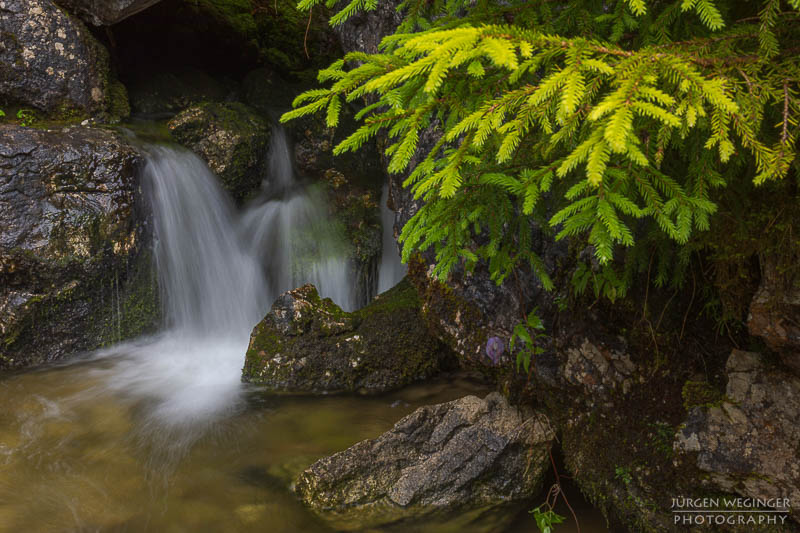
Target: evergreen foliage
619 122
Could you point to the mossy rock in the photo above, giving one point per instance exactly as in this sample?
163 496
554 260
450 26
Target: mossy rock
75 267
307 344
231 138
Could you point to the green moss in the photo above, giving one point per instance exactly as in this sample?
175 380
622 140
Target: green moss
118 104
324 349
133 308
700 393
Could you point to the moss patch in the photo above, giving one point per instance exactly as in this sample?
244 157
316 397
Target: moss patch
308 344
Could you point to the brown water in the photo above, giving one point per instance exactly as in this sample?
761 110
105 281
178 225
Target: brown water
76 455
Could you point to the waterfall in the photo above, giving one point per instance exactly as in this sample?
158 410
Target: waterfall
210 282
218 272
391 269
290 230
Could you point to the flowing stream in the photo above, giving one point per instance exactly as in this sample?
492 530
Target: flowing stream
159 434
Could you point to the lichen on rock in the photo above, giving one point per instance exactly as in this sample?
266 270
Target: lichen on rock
462 456
748 443
50 61
231 138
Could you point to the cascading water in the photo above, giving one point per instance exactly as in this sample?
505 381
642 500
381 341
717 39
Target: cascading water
218 273
289 229
391 269
157 434
213 292
210 281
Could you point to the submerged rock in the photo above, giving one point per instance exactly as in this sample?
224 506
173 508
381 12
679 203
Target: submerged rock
748 442
306 344
50 61
231 138
74 262
462 456
106 12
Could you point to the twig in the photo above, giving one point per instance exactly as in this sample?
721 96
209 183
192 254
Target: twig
558 482
305 37
785 133
688 309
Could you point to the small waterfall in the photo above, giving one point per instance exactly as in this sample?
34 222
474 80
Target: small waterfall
391 269
219 271
294 236
210 281
213 293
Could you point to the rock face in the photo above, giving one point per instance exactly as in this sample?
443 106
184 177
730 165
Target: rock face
231 138
106 12
309 345
467 454
748 443
365 30
74 267
50 61
775 315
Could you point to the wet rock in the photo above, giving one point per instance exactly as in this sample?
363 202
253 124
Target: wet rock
74 261
106 12
306 344
748 443
50 61
460 456
775 315
231 138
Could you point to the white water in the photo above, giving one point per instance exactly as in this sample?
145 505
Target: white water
219 271
296 240
391 269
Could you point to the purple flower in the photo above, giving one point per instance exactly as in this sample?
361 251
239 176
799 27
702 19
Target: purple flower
495 348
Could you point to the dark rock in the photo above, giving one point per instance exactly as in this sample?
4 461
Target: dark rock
775 315
106 12
75 271
459 456
50 61
167 93
748 443
365 30
231 138
309 345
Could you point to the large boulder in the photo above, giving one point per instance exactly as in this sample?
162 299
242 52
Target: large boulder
106 12
231 138
306 344
467 457
75 271
50 61
747 442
